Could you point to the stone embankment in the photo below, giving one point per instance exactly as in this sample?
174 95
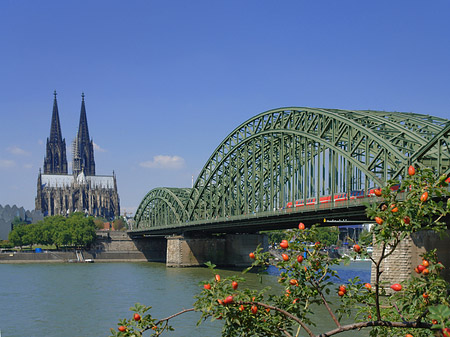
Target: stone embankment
110 246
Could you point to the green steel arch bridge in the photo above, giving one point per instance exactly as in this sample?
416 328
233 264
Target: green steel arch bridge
292 164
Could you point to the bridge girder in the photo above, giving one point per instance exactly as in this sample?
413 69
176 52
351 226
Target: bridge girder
289 154
162 206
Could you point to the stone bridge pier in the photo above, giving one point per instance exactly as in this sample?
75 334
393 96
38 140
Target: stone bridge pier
225 250
400 265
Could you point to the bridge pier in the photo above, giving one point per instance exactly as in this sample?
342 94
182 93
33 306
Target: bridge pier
225 250
400 265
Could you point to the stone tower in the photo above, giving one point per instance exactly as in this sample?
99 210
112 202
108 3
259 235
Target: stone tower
55 160
83 147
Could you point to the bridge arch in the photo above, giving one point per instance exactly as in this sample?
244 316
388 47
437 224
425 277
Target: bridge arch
289 155
162 206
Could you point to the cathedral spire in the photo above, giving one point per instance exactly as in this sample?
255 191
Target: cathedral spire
55 161
83 148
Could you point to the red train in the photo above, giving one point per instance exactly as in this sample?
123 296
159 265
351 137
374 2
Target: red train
337 197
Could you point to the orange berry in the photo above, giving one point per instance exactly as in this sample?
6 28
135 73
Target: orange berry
424 196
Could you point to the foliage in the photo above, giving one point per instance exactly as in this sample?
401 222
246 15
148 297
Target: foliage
118 224
6 244
327 235
74 231
419 305
99 223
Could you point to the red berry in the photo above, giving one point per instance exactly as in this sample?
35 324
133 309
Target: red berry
207 286
254 309
411 170
285 257
377 192
122 328
368 286
425 295
446 332
343 289
252 256
217 277
228 300
421 268
137 317
378 220
357 248
406 220
301 226
234 284
396 287
300 259
284 244
341 293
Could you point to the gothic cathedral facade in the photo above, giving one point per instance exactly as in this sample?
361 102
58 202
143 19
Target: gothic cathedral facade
60 193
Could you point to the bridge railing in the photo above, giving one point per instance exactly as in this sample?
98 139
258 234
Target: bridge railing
266 214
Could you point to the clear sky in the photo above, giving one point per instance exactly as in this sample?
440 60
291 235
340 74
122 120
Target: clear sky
166 81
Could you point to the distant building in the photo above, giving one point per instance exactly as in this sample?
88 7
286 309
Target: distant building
7 215
81 191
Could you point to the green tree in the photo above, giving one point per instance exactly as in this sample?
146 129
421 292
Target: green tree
328 235
16 236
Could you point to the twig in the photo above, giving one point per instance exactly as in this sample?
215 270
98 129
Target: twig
284 312
396 307
326 303
377 282
422 316
360 325
167 318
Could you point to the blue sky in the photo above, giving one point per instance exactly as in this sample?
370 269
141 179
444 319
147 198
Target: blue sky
166 81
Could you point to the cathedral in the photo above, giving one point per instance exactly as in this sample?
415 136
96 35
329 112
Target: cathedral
82 191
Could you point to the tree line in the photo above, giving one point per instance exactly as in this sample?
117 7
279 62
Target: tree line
73 231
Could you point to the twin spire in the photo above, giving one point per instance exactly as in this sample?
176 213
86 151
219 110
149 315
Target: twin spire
55 161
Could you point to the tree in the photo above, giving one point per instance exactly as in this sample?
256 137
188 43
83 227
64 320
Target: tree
118 224
327 235
99 223
418 306
16 236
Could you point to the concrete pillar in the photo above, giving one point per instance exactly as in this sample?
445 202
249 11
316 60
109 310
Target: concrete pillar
400 265
226 250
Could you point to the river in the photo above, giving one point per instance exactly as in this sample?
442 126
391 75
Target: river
86 300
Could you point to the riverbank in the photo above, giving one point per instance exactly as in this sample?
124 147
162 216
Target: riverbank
67 256
109 246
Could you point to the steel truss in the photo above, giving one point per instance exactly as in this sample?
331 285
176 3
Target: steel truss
290 155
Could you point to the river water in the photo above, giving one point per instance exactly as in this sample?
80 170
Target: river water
86 300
